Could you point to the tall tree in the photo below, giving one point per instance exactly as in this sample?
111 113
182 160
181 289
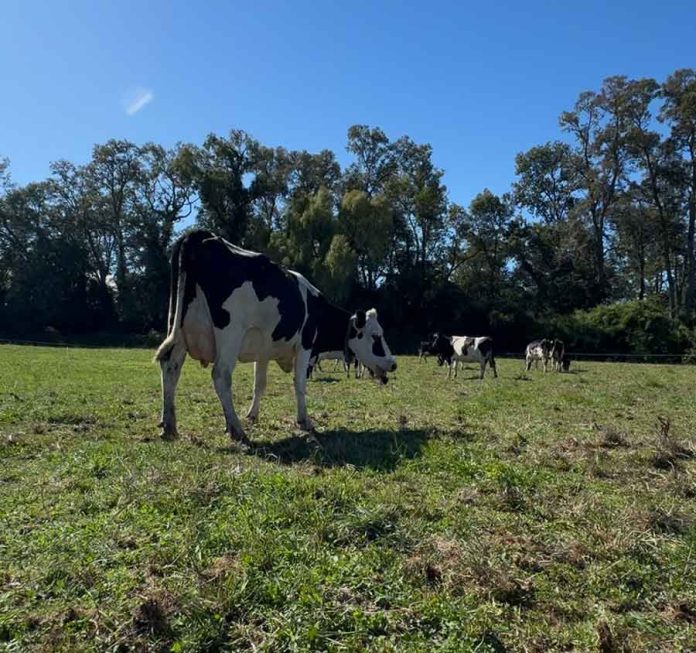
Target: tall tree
679 113
224 171
116 169
598 126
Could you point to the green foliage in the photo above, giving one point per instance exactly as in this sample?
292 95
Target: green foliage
607 215
625 327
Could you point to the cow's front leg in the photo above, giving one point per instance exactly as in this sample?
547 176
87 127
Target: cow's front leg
222 380
260 374
301 363
170 367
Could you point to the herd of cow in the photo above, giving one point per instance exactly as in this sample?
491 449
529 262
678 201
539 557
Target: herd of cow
469 349
228 304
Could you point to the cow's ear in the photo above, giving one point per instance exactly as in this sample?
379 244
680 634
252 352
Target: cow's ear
360 319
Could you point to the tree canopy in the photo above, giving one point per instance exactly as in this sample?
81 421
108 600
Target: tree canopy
604 212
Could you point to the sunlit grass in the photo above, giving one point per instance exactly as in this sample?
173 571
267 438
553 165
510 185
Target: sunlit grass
529 512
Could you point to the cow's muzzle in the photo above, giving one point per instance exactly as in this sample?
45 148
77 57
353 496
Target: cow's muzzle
381 375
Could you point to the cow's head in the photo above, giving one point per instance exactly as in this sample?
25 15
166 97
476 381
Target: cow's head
365 339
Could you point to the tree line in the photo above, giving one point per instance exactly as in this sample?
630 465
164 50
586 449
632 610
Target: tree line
605 214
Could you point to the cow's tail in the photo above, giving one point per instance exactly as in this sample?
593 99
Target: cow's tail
177 284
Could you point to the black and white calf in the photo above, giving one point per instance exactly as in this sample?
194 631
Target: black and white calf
538 350
464 349
228 304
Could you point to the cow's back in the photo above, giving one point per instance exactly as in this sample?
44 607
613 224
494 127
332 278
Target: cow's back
466 347
232 290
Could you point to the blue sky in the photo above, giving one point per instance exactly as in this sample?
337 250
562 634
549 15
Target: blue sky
479 81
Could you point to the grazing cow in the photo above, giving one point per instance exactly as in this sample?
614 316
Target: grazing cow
464 349
538 350
228 304
425 349
557 354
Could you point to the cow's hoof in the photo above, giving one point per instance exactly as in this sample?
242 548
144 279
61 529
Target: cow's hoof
169 436
306 425
251 418
239 437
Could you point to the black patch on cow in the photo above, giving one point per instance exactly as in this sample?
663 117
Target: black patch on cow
314 309
352 332
330 324
486 348
442 346
378 346
220 268
360 319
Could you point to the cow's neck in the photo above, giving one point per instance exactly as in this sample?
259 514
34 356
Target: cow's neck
333 327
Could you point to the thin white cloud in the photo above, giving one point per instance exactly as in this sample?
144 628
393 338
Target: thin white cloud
137 99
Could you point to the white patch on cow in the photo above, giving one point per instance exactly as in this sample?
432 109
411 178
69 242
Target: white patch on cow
198 329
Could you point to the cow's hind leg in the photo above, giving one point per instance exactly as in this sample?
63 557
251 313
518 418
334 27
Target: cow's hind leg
301 362
170 362
491 363
260 374
222 381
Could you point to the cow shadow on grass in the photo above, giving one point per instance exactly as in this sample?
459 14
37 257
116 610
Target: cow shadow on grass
377 449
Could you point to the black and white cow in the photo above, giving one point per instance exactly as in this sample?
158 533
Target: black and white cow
228 304
557 355
565 363
538 350
464 349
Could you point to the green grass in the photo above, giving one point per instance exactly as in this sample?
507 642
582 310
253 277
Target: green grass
526 513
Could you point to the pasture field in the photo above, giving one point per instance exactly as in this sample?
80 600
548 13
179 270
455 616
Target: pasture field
526 513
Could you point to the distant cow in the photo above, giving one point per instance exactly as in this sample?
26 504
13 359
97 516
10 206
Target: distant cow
464 349
228 304
339 356
565 363
538 350
425 349
557 354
